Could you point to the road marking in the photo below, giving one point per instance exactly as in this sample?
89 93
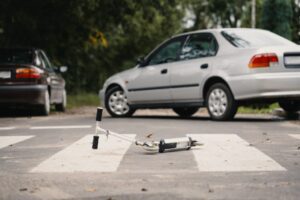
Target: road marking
9 140
297 136
7 128
60 127
80 157
230 153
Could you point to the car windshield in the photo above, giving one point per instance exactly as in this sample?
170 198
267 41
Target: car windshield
254 38
9 56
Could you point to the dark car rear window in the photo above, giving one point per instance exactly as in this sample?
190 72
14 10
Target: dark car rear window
9 56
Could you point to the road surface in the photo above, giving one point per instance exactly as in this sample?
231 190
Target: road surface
252 157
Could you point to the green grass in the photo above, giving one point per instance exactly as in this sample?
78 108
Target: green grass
251 110
91 99
82 99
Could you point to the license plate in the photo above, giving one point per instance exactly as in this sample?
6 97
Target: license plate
292 60
5 74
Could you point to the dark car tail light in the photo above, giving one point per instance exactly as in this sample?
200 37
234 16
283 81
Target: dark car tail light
263 60
25 73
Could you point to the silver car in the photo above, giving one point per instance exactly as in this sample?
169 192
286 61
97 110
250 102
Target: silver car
217 68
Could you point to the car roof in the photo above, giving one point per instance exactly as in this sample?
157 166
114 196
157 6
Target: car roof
215 30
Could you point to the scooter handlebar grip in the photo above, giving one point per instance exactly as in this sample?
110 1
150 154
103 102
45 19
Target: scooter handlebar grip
99 114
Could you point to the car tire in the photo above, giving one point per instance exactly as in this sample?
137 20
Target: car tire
116 103
290 106
45 107
220 102
61 107
185 112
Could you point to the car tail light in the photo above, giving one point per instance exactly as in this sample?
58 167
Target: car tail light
263 60
28 73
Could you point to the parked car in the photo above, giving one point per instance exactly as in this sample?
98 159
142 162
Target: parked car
28 78
218 68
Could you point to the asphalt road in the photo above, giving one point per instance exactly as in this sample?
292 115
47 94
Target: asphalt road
252 157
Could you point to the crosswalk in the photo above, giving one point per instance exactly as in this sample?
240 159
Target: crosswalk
80 157
229 152
220 153
10 140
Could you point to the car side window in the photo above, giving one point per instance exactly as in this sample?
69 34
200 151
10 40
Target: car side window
198 46
45 61
167 53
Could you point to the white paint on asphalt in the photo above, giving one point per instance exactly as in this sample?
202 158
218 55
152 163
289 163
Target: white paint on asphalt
297 136
60 127
9 140
230 153
7 128
80 157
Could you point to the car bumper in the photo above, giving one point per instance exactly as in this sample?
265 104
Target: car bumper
266 85
22 94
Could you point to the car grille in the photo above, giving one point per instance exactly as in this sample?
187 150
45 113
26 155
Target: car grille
292 60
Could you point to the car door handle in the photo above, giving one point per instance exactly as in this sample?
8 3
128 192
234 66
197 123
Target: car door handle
164 71
204 66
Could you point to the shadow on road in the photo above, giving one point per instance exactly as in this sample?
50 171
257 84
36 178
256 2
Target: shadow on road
206 118
15 112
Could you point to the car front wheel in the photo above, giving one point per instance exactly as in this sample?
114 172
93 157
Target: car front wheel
220 102
116 103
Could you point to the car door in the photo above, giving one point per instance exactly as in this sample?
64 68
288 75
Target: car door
195 63
152 81
54 80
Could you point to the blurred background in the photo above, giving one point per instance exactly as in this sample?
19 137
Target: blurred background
97 38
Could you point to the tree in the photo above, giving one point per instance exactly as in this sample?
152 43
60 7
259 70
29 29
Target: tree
296 21
277 16
95 38
246 17
216 13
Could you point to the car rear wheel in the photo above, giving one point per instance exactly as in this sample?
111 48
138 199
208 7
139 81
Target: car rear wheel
290 106
116 103
61 107
185 112
45 107
220 102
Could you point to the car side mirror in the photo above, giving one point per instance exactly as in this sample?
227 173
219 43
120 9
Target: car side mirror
63 69
141 61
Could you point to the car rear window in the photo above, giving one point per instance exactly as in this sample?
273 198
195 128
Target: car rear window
254 38
8 56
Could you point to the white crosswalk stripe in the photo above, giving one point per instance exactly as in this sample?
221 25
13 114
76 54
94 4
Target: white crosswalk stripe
60 127
80 157
7 128
220 153
9 140
230 153
297 136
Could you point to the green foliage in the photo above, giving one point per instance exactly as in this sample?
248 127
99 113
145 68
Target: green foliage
83 99
267 109
277 17
296 21
97 38
246 17
216 13
68 31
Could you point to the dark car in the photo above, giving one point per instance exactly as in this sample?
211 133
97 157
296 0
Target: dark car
28 78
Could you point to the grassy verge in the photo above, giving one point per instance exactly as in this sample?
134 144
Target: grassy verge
90 99
82 99
265 110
